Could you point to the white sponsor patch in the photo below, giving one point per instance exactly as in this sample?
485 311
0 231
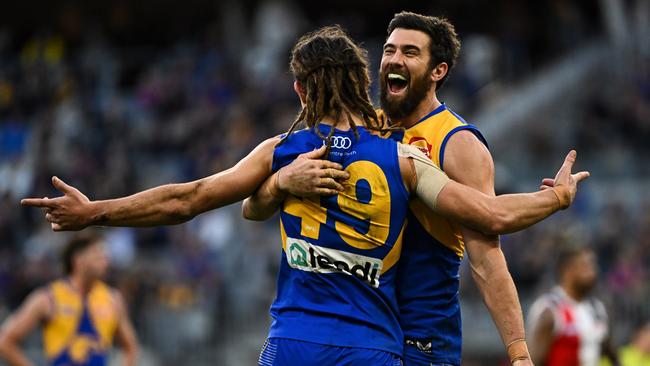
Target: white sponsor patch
305 256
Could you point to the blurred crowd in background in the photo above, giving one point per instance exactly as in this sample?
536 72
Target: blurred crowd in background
115 97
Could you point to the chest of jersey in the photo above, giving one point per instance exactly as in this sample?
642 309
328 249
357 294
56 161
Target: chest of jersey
79 329
431 135
579 331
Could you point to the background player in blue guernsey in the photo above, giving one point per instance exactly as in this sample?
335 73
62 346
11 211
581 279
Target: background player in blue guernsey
80 315
418 55
336 301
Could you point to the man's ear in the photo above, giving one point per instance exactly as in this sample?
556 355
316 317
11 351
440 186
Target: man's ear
439 72
297 87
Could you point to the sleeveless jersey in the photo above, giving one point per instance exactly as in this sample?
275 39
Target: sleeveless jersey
80 330
579 328
336 284
428 278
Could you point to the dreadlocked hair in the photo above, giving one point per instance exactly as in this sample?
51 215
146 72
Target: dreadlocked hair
333 72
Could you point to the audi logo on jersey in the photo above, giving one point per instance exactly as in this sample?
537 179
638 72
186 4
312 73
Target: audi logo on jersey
340 142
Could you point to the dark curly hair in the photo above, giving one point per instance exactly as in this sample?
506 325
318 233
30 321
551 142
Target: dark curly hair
444 45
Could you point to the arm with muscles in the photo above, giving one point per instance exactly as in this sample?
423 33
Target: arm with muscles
469 162
125 334
164 205
488 214
305 176
35 309
492 215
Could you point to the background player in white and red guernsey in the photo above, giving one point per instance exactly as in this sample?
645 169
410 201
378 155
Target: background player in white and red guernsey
568 326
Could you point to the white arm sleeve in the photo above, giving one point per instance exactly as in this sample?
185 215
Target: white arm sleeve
430 179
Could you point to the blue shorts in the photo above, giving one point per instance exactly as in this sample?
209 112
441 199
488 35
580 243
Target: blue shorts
415 357
290 352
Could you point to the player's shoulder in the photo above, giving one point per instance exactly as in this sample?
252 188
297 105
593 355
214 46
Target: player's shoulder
450 114
296 138
466 159
543 308
465 144
39 302
56 286
443 127
598 307
107 292
462 132
42 293
549 299
307 132
298 133
441 118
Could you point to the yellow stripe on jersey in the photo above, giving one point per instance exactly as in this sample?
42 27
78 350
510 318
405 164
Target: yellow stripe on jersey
61 331
430 136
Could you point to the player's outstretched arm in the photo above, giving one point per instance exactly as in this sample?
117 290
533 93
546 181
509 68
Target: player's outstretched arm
491 215
164 205
16 327
305 176
511 212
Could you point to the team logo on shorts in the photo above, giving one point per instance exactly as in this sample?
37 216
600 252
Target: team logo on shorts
312 258
423 345
340 142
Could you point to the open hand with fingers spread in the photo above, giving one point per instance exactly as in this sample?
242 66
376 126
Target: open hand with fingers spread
565 184
68 212
308 175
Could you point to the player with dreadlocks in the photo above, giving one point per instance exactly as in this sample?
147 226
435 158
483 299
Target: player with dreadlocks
335 300
317 69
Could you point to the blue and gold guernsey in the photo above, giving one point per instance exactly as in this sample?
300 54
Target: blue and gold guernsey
336 284
80 329
428 278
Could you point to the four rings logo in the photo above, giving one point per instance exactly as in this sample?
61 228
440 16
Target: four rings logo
340 142
313 258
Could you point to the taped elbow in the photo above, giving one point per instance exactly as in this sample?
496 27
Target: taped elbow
246 212
495 228
493 220
501 222
249 214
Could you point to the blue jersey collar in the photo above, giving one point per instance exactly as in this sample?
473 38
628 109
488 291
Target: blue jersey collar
441 108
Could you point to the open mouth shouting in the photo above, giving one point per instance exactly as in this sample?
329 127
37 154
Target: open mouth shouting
397 83
401 92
